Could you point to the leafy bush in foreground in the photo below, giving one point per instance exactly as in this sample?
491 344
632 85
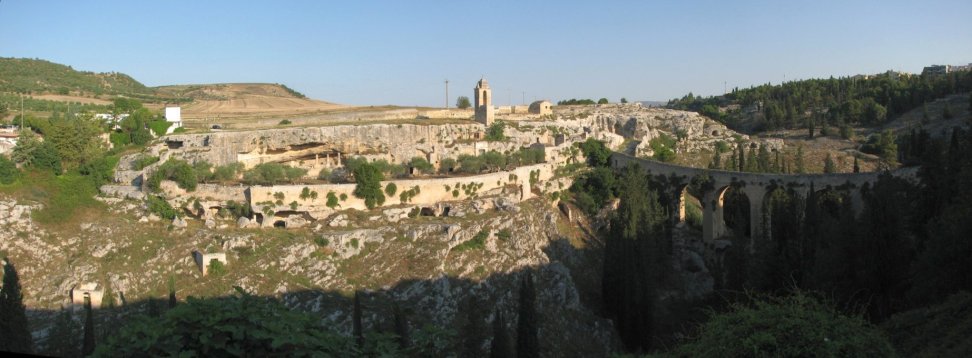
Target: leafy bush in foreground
793 326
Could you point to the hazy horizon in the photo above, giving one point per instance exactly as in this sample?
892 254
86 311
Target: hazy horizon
400 53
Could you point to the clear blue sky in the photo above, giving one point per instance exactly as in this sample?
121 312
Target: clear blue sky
399 52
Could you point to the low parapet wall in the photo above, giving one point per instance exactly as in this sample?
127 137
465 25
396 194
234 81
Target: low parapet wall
312 199
427 191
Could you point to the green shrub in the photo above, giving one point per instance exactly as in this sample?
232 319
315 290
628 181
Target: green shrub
322 241
368 179
273 173
144 161
447 165
101 170
119 139
391 189
176 170
407 195
422 165
204 327
344 197
46 157
504 234
478 242
227 173
794 326
332 200
8 170
159 127
216 268
495 132
285 122
239 210
663 147
158 206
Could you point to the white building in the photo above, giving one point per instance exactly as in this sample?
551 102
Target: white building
173 115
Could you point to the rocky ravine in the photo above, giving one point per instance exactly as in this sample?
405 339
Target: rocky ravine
413 262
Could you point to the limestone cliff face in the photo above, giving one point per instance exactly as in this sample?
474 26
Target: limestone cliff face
401 142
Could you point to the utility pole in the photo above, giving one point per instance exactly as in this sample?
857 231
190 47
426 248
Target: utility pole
447 93
523 100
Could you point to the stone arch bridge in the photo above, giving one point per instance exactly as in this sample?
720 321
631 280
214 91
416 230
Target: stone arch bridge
754 185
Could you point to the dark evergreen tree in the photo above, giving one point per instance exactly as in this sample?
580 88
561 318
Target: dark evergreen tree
88 345
741 157
472 330
716 161
500 346
857 168
401 328
356 328
763 159
172 294
63 340
886 249
752 161
527 341
798 162
811 127
14 330
637 259
829 166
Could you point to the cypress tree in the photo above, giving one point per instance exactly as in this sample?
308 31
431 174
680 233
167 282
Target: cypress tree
172 295
63 339
763 159
752 162
829 166
500 346
799 161
401 328
14 330
636 256
527 342
857 168
742 157
716 161
88 345
356 321
109 297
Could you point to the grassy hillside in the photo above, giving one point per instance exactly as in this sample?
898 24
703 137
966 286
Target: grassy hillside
38 76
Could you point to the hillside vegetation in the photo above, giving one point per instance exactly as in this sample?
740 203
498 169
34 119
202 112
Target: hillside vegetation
36 76
50 87
835 102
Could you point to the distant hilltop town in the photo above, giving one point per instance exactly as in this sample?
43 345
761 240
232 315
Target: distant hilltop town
944 69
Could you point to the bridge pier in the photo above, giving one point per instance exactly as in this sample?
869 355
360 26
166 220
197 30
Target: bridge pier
713 224
755 194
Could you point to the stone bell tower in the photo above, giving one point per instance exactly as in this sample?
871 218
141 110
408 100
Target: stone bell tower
483 104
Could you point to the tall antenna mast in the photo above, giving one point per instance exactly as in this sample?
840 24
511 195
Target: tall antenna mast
447 93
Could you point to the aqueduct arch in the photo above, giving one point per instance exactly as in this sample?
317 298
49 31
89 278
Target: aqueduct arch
754 185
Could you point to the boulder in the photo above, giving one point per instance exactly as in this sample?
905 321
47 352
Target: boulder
179 222
243 222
